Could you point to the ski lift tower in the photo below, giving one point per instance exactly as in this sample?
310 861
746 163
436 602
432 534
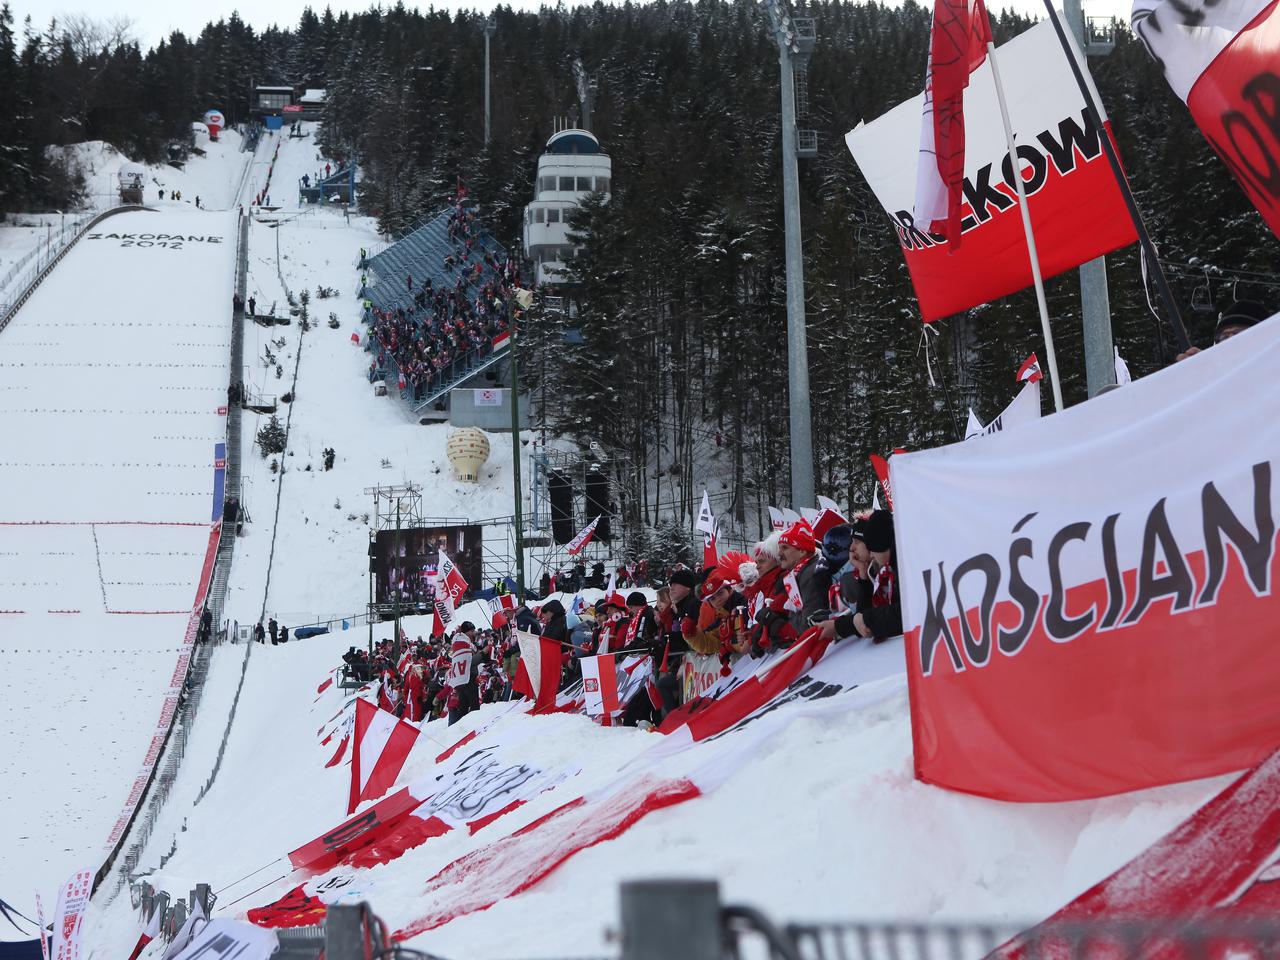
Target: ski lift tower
796 38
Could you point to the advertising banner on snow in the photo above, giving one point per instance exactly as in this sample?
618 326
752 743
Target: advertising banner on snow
1076 208
73 898
1223 59
1089 606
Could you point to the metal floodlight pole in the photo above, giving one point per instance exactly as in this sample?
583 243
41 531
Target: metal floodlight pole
802 489
490 28
1095 300
515 450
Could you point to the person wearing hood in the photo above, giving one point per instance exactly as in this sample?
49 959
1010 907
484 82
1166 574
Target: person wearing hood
870 588
554 620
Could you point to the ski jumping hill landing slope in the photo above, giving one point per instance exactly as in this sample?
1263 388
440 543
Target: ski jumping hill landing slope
113 392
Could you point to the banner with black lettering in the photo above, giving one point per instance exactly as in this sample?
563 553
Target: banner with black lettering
1223 58
1076 208
1089 606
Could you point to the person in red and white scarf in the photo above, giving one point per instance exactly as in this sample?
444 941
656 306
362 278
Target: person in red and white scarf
871 588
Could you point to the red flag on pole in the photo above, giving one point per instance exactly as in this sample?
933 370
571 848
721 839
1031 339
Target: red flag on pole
379 749
957 46
584 536
1029 372
150 933
1220 58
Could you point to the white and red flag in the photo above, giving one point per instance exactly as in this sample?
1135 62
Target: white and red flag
1030 372
600 685
610 680
1076 208
538 675
1022 409
73 897
583 538
498 607
150 933
450 587
380 746
44 933
707 526
1220 57
957 46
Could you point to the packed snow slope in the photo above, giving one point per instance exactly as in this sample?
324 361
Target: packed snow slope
112 377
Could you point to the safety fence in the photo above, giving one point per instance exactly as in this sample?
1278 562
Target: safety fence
34 260
26 283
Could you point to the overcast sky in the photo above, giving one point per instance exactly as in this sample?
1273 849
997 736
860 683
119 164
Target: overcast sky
156 19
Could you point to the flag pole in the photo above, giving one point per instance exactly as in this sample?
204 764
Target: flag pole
1050 356
1144 238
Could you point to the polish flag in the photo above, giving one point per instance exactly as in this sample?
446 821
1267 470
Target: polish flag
584 536
379 748
1219 56
538 676
501 342
600 685
828 519
150 933
1029 372
957 46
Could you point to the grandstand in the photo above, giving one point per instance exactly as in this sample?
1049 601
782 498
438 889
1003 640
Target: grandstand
422 254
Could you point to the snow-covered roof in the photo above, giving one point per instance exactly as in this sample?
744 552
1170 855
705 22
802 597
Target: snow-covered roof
310 95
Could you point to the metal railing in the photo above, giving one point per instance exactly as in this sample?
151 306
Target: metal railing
38 272
41 253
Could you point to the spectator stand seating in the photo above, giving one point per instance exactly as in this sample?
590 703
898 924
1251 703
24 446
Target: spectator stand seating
429 254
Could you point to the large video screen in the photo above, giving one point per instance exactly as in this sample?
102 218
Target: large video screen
405 561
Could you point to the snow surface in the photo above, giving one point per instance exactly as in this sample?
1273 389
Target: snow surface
824 821
111 377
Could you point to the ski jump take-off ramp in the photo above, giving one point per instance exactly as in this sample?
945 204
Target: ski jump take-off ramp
113 393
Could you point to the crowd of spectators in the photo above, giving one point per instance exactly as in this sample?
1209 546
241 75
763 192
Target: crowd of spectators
415 685
843 585
448 321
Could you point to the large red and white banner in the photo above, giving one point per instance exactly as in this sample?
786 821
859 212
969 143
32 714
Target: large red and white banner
73 897
1090 606
1076 208
1188 887
1223 58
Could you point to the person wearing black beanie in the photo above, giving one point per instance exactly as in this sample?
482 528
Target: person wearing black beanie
870 589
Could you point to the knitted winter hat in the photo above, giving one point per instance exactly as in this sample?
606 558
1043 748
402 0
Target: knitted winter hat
800 536
768 547
876 531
